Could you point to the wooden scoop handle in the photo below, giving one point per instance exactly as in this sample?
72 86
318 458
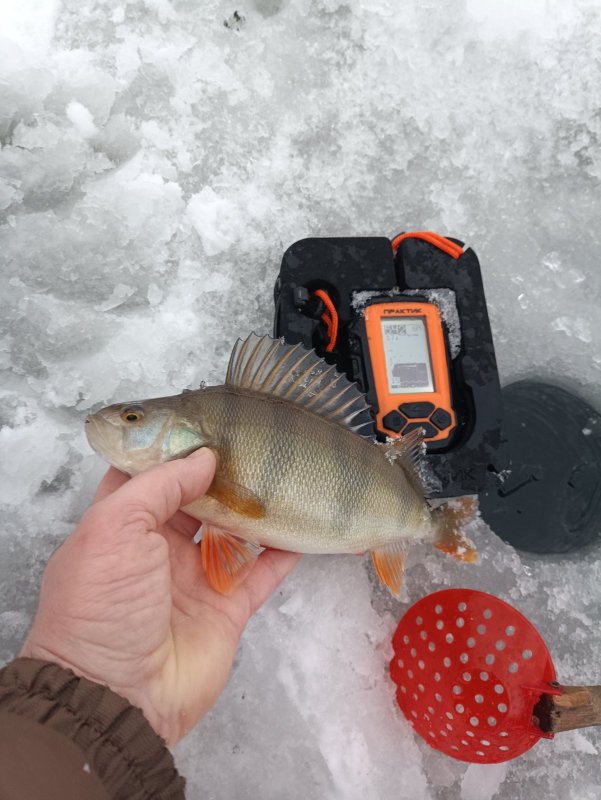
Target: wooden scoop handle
575 707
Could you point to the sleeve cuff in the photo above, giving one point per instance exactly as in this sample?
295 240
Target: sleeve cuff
131 760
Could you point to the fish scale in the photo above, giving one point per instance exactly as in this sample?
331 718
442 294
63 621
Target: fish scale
294 471
330 490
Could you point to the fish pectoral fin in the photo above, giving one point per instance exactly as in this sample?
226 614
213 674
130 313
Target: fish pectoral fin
237 498
449 518
226 559
389 562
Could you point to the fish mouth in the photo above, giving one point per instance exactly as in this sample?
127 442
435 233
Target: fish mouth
96 435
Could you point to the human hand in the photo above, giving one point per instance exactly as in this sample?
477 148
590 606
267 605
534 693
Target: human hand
124 601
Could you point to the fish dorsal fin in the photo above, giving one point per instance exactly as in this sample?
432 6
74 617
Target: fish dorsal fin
407 451
300 376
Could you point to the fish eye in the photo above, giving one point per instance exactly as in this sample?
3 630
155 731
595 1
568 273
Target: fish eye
132 414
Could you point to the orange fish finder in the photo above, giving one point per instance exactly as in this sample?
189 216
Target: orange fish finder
406 320
409 361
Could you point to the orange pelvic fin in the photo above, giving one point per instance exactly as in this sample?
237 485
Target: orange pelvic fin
226 559
389 562
449 519
237 498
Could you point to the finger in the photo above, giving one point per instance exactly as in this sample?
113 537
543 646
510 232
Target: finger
148 500
271 568
112 480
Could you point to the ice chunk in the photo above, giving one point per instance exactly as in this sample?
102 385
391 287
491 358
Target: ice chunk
482 781
214 220
81 118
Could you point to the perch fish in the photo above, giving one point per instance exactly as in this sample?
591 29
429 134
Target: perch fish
294 471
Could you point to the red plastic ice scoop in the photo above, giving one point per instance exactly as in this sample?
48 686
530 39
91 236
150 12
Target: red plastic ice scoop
476 681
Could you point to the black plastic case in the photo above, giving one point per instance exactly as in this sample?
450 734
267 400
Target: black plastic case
343 266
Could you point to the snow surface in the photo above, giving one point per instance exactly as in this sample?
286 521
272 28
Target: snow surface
157 158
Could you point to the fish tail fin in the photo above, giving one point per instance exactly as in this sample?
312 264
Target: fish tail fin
389 562
449 519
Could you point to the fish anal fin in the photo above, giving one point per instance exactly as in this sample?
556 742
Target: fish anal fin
226 559
389 562
449 519
237 498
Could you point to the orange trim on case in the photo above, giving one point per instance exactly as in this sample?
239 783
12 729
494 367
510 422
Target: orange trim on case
329 318
446 245
387 401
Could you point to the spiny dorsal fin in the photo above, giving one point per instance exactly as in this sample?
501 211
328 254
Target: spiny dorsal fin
293 373
408 451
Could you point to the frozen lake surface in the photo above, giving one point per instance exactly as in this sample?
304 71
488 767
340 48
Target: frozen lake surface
157 159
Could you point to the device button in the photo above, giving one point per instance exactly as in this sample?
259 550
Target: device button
429 430
416 410
393 421
441 418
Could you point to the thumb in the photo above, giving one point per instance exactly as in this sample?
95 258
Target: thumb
149 499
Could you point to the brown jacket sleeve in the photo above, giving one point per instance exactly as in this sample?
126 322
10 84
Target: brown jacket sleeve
66 738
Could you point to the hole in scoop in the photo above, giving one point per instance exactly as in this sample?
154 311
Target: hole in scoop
513 667
487 613
510 630
527 654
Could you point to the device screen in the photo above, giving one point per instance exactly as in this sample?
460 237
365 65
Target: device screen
408 365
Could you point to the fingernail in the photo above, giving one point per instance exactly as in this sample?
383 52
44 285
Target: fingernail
202 453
